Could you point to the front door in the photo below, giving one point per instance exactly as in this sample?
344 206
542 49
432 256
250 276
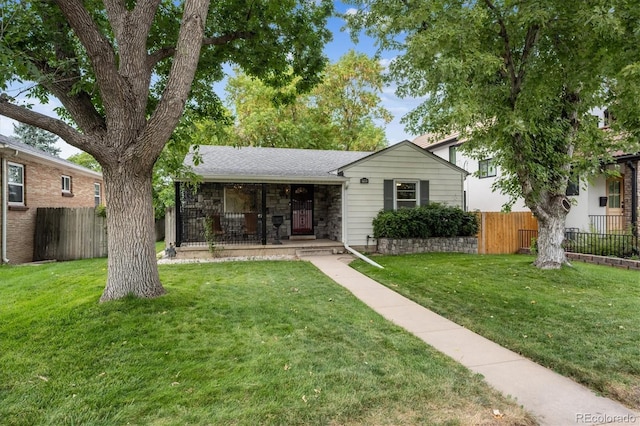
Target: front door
615 205
302 209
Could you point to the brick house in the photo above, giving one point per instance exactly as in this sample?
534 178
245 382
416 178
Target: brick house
31 178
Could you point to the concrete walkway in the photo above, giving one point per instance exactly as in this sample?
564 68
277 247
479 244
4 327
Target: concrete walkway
554 399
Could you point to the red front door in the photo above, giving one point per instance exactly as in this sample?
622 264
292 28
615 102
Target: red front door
302 209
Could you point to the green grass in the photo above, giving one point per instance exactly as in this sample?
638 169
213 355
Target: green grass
583 322
231 343
160 246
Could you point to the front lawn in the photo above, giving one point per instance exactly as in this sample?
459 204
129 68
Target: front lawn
583 322
231 343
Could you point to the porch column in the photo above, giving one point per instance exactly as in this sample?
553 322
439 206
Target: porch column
178 214
264 214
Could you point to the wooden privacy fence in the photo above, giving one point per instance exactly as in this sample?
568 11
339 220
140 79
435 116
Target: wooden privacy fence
498 233
69 233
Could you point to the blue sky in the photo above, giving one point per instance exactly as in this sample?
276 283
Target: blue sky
334 50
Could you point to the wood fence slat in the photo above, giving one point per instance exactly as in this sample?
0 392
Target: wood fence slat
69 233
498 233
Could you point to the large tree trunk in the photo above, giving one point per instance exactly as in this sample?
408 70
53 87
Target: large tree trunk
551 213
132 266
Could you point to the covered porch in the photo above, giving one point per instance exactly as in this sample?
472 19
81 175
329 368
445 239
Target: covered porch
242 215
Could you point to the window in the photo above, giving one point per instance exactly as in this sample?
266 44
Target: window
573 186
406 194
66 183
400 193
614 193
486 168
96 193
452 154
608 118
240 199
15 183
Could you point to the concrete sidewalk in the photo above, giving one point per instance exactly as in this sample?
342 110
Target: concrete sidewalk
554 399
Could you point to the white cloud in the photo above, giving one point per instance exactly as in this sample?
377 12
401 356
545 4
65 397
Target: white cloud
386 62
351 11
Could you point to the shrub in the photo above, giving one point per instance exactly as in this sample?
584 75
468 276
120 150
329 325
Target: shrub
432 220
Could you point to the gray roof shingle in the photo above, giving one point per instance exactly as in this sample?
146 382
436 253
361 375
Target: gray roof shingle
227 161
15 144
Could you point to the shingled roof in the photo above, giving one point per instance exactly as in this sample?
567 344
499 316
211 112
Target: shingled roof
8 143
220 162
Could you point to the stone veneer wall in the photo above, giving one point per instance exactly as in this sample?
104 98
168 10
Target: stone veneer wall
428 245
328 212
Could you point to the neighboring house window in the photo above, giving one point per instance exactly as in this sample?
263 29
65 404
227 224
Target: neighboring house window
608 118
486 168
573 186
614 195
452 154
66 184
15 183
96 193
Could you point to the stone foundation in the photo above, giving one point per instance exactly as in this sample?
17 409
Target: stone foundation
609 261
467 245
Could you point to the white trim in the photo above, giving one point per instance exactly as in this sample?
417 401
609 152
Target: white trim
5 195
96 185
66 178
344 213
22 184
395 191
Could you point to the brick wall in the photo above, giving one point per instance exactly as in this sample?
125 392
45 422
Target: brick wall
43 188
628 194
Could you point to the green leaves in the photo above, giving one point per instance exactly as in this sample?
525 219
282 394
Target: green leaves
340 113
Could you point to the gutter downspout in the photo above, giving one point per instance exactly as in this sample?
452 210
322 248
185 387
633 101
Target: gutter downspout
3 170
634 198
362 256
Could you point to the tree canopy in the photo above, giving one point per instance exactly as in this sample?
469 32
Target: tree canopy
37 138
343 112
518 80
124 72
85 160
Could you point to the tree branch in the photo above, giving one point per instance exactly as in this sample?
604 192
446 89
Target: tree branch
507 56
169 110
61 84
99 51
168 51
53 125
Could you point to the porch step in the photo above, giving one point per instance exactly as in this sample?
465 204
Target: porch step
319 251
301 237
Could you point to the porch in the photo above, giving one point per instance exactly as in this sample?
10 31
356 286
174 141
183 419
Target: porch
240 215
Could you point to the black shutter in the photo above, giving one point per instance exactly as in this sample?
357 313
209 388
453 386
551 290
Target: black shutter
424 192
388 194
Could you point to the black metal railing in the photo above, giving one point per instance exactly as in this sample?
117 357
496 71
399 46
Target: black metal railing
613 245
198 227
527 239
607 224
